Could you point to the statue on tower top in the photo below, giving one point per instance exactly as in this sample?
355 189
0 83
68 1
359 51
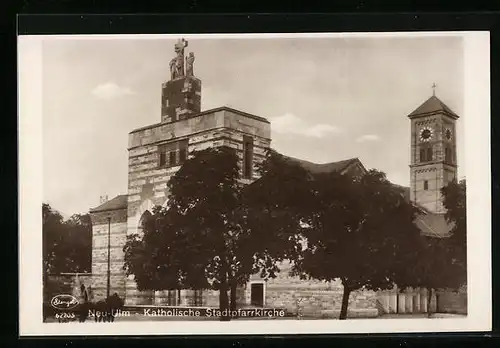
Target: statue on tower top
177 63
189 64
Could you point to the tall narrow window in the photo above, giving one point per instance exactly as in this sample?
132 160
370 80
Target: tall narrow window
447 155
422 155
182 155
426 185
183 147
163 158
429 154
172 158
247 157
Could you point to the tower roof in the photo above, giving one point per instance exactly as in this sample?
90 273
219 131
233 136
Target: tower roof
431 106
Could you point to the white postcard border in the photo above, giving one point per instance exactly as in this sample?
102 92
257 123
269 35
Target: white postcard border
477 139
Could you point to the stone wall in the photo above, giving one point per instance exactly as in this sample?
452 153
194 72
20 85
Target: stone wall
118 233
180 98
312 298
183 298
449 301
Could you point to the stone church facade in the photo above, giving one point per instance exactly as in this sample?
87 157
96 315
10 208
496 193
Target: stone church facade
157 151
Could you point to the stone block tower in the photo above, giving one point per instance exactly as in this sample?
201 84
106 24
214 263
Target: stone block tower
157 152
433 153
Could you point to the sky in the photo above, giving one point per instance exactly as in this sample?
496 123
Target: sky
327 99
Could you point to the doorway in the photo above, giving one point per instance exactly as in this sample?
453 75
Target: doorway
257 294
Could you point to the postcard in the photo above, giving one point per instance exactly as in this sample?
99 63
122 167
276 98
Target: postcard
254 184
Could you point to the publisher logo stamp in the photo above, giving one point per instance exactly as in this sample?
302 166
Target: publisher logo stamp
64 301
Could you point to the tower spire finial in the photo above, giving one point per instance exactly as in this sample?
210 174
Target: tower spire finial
434 89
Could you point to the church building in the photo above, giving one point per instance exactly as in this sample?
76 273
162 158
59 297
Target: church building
157 151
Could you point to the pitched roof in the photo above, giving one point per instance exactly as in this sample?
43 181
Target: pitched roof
434 225
318 168
431 106
119 202
431 224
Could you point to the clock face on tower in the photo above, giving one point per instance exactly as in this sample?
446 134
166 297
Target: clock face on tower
447 134
426 134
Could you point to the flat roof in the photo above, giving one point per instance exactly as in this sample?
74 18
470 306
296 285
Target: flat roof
222 108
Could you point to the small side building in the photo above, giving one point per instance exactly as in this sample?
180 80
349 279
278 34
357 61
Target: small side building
109 230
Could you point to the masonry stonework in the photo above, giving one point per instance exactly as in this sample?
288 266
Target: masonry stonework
148 179
313 298
108 224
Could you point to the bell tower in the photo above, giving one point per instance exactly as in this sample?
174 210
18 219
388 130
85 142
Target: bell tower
433 153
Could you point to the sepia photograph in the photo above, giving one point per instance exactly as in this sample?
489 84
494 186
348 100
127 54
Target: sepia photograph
305 183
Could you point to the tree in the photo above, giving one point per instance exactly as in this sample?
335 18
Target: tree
66 245
455 198
210 234
52 241
78 241
274 207
359 231
430 266
155 257
440 262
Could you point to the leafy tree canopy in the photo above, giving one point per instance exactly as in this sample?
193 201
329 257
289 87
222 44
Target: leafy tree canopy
359 232
67 245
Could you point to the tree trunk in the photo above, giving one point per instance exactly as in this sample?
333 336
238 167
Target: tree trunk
224 302
224 286
234 287
429 300
345 302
